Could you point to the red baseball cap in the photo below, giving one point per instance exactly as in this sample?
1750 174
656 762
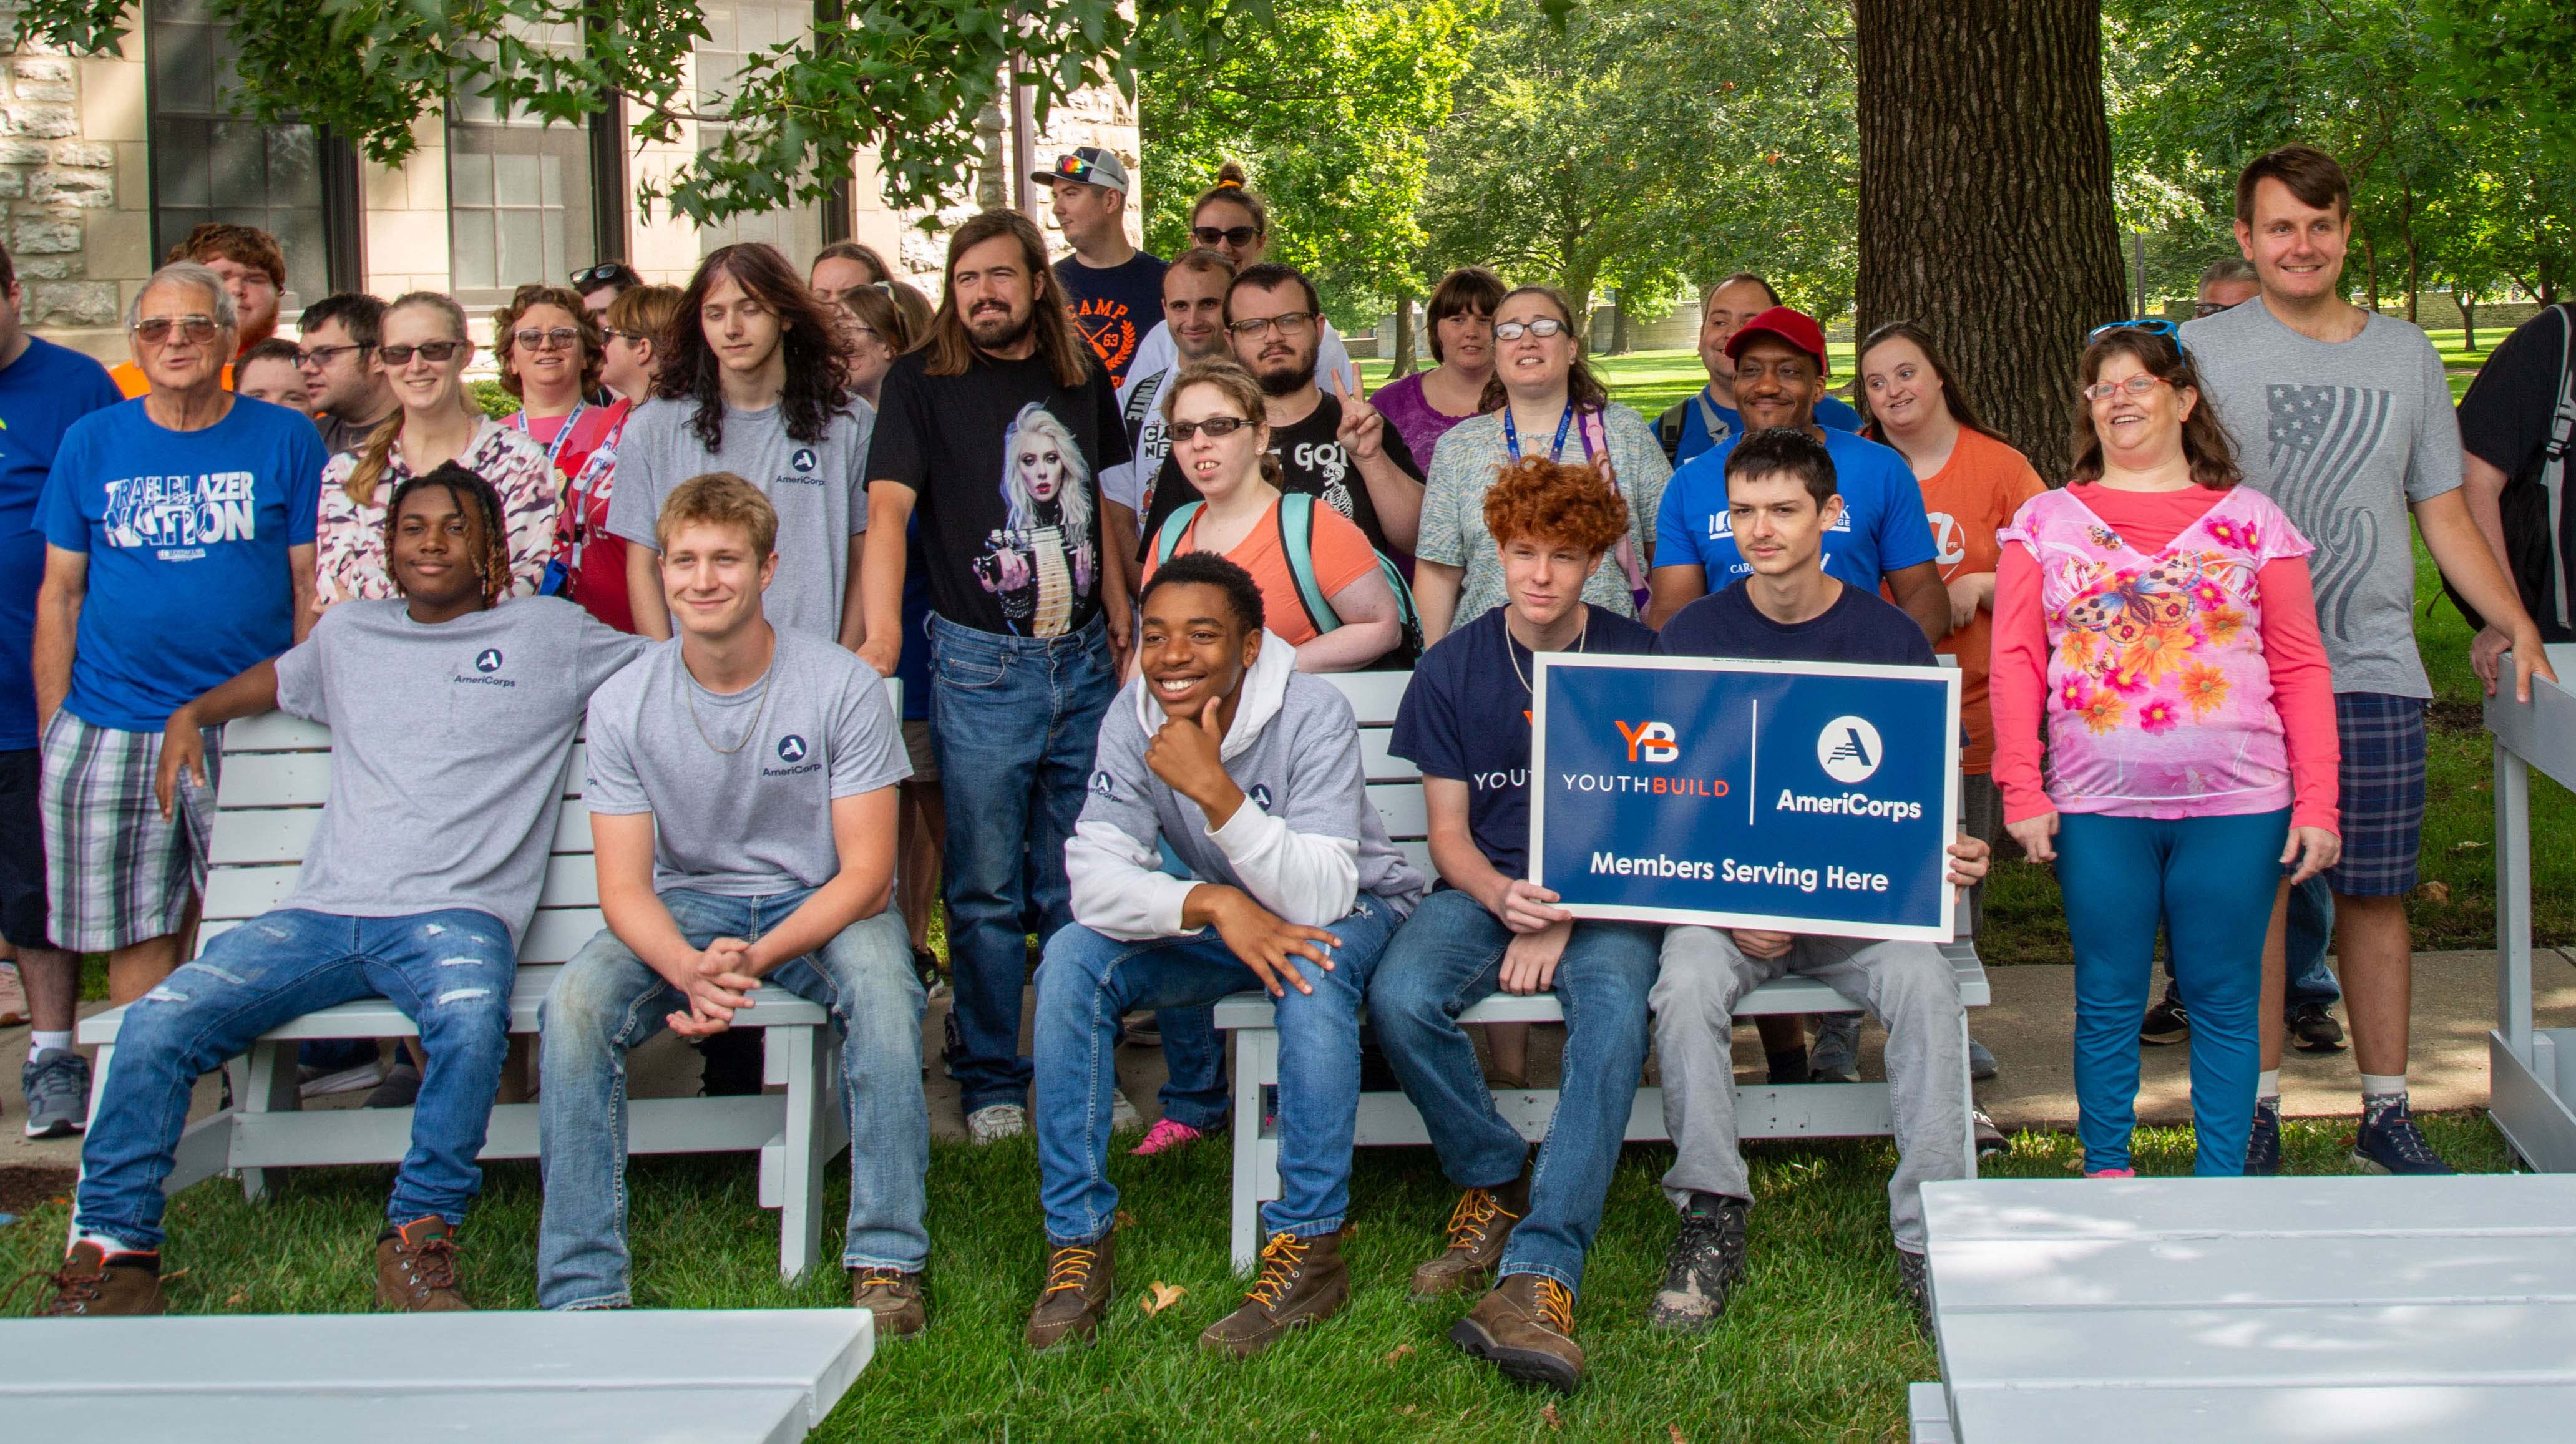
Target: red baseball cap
1795 327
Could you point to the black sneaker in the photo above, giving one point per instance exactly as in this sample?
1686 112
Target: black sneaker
733 1064
1991 1142
2316 1029
1789 1065
1706 1259
1915 1273
2166 1023
401 1088
925 966
2263 1145
2389 1142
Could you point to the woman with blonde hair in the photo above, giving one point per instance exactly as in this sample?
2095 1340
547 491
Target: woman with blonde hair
423 353
1041 561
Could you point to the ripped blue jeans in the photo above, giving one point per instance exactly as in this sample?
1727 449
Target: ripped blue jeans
449 972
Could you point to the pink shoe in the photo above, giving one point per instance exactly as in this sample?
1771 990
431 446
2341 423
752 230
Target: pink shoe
1165 1136
2110 1173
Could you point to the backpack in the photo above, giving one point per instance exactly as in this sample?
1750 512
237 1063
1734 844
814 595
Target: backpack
2539 525
1297 543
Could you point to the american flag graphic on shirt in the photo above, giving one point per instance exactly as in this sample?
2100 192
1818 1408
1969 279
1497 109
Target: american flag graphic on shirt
2320 436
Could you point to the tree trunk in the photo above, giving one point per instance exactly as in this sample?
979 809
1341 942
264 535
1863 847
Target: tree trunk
1404 358
2468 317
2414 262
1619 322
1985 198
2370 263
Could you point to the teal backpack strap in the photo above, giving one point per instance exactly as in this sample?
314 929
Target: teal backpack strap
1297 543
1175 526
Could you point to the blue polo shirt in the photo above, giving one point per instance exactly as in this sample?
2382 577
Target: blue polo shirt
1831 414
41 394
1882 528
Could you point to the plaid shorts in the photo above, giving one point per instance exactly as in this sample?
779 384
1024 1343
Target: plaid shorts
2383 793
116 871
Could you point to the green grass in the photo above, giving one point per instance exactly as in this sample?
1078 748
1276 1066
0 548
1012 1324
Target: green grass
1816 1345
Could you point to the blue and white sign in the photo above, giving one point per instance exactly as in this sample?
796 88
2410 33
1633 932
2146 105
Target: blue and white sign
1792 796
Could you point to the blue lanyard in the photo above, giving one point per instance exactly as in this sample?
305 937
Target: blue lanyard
555 448
1512 435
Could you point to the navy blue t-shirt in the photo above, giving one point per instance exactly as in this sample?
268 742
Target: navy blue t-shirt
1858 627
1115 306
41 394
1456 722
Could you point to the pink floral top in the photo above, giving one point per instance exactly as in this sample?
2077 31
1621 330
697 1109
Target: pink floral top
2161 698
349 539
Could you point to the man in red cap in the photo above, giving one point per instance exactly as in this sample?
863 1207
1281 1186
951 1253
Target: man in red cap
1882 535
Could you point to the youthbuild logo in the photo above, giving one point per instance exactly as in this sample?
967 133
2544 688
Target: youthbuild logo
1650 743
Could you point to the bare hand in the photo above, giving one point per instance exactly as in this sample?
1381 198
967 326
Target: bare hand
1363 431
1523 907
1969 859
183 750
1186 753
2530 659
2314 849
1754 943
1529 963
718 985
1122 632
2486 654
2036 836
1265 943
1967 594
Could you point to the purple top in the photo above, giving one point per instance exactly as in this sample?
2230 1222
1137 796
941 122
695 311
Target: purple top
1404 406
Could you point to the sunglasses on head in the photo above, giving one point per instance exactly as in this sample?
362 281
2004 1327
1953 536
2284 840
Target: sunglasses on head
605 273
2151 326
434 352
1214 236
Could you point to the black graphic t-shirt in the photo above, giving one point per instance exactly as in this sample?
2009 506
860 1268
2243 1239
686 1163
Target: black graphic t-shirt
1314 462
1002 463
1115 306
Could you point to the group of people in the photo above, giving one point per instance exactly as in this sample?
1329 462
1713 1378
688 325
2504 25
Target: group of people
1108 517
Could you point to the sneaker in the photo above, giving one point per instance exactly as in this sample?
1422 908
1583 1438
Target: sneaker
57 1087
2316 1029
1143 1030
1081 1280
1836 1054
2263 1144
93 1283
1123 1117
2389 1142
1981 1064
340 1065
1991 1142
1525 1328
1166 1135
893 1296
416 1268
1302 1281
996 1121
1915 1273
1701 1268
1478 1228
401 1088
2165 1024
925 966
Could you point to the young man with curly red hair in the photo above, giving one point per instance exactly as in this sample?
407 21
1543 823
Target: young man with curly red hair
1488 927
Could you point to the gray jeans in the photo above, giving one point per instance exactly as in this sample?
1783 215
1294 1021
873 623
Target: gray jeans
1909 987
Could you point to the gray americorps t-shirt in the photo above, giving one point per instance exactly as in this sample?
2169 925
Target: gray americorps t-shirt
819 489
451 747
2345 436
740 787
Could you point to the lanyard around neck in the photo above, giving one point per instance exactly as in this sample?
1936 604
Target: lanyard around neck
1556 451
554 449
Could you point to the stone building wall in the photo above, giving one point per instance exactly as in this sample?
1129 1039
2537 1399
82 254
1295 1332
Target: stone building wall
73 189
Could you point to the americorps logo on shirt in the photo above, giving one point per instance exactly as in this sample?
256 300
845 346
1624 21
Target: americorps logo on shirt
792 751
1260 795
802 463
488 660
487 670
1101 784
179 516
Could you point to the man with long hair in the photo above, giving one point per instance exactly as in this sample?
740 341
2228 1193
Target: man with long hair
753 386
994 431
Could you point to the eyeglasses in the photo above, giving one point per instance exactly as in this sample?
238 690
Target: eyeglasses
2201 309
605 273
1214 426
1543 327
558 338
2152 327
194 329
2138 386
1214 236
1288 323
318 357
434 352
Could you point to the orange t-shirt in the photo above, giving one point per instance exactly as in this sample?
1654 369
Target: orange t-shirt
1342 556
129 378
1971 498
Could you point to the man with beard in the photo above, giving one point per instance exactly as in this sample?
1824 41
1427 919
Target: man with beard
1194 315
994 430
1334 447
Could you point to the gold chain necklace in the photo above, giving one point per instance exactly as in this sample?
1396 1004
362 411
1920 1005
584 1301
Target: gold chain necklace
1511 649
757 712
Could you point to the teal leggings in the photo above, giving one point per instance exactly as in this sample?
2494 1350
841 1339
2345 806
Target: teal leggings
2210 882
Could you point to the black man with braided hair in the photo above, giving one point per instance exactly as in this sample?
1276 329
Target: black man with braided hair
452 721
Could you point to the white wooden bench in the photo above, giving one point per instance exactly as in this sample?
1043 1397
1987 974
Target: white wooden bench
1814 1110
276 774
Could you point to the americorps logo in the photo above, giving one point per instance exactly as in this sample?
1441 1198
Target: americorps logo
791 748
1260 795
488 660
804 459
1649 741
1848 749
792 752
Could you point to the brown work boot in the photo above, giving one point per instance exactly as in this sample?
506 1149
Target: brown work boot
1478 1228
1081 1278
416 1268
894 1297
1302 1281
1525 1328
95 1284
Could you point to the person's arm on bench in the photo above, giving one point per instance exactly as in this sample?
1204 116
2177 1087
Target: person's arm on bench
183 743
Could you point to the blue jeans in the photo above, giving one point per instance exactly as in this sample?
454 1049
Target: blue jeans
1089 980
449 972
608 1000
2311 932
1446 958
1015 721
2210 881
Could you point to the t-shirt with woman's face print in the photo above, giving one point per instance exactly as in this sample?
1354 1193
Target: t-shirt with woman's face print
1003 464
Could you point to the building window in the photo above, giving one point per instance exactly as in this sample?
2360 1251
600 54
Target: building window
739 30
208 164
519 201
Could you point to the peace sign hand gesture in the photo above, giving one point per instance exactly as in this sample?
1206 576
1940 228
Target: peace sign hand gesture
1363 431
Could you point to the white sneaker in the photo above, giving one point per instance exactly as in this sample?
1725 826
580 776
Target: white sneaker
996 1121
1123 1117
322 1082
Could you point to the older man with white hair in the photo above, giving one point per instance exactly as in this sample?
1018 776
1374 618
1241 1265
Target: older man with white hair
178 534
